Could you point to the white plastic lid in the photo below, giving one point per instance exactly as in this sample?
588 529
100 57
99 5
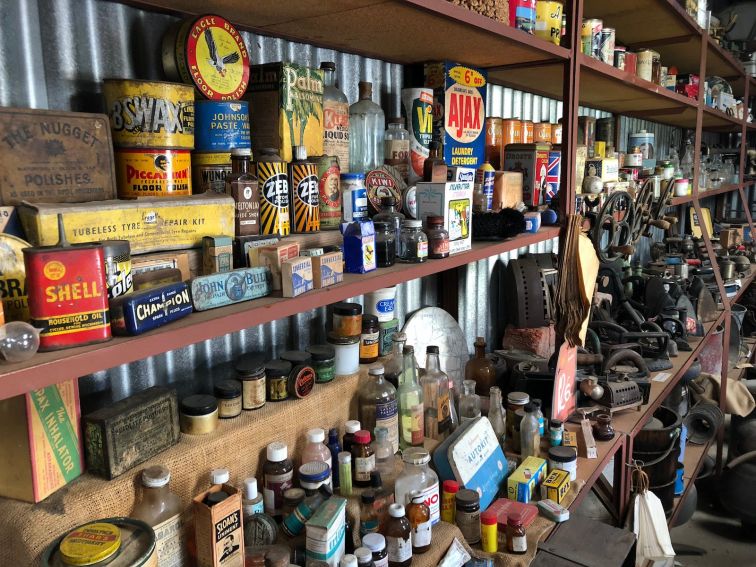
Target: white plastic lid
219 476
363 555
396 511
345 457
374 542
412 223
316 435
352 426
277 452
155 477
416 456
376 370
348 560
250 488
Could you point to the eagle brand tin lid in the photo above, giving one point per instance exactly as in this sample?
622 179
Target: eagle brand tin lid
90 544
199 404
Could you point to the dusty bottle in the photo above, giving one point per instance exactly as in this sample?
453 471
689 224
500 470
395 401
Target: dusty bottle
383 497
436 398
435 168
335 117
418 514
496 415
389 214
363 458
369 521
242 185
378 405
397 147
469 404
384 452
530 437
161 509
480 369
367 125
539 416
316 450
304 193
278 473
417 475
411 425
398 537
395 363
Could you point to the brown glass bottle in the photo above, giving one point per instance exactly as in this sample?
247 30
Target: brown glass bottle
434 168
278 472
398 537
480 369
517 542
363 458
242 185
418 514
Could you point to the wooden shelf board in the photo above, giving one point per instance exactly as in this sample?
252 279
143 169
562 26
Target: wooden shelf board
714 119
693 460
722 189
746 282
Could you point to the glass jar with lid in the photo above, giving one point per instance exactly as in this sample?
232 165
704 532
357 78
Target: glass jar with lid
515 402
416 475
414 242
438 238
250 371
389 214
385 244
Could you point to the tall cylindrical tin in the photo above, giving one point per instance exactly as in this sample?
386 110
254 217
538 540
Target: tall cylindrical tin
590 37
329 189
150 114
117 254
542 132
511 132
494 139
645 141
605 130
15 305
418 110
153 173
556 134
645 64
522 15
221 126
631 62
484 178
548 24
303 193
619 57
606 46
274 193
527 134
209 171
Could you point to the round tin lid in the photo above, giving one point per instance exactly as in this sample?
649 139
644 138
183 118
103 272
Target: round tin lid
277 368
386 181
562 454
518 398
467 497
416 456
199 404
156 476
228 389
321 353
116 248
296 356
347 309
250 363
314 471
301 381
90 544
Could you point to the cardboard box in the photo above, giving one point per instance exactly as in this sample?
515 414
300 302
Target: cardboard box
605 168
327 269
507 190
272 257
453 201
33 468
149 225
522 484
217 254
729 237
218 530
460 174
177 260
459 111
569 439
286 108
326 532
296 276
246 249
556 486
121 436
532 160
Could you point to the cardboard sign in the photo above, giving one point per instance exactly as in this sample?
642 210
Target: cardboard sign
564 399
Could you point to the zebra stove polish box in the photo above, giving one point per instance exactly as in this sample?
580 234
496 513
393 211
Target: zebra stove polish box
296 276
453 201
218 529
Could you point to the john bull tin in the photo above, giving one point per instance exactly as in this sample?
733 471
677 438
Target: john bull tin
217 290
153 173
274 193
522 15
221 125
590 37
138 313
548 23
329 191
150 114
606 47
118 275
305 200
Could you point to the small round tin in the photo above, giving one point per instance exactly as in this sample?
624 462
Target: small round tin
383 182
301 381
277 376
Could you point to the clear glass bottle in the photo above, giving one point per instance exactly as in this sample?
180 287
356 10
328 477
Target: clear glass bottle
416 475
436 399
384 452
469 405
530 438
385 244
418 514
383 497
378 405
335 117
398 537
435 168
496 415
413 243
686 164
367 125
397 147
411 423
395 363
480 369
539 416
438 238
389 214
242 185
315 449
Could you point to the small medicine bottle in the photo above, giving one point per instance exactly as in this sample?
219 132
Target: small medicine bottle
348 560
517 541
369 339
488 532
438 238
398 537
468 515
369 522
364 557
419 518
345 474
448 504
252 503
363 457
278 473
350 428
501 535
377 544
556 431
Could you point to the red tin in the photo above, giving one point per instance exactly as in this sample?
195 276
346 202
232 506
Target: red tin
631 62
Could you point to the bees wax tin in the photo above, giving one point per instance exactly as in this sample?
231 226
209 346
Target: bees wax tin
153 173
140 312
150 114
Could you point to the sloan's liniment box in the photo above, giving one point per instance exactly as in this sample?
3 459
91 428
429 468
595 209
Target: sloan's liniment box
453 201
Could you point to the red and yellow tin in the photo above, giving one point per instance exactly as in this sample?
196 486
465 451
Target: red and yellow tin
153 173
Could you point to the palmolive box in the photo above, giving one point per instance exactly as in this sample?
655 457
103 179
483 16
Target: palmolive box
453 201
533 161
459 111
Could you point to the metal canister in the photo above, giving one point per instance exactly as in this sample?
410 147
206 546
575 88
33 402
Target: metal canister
606 47
605 130
209 171
590 37
542 132
153 173
494 139
645 64
511 130
527 134
13 278
484 178
631 62
117 254
548 24
556 133
522 15
68 296
274 193
418 108
150 114
329 189
619 57
221 126
645 141
303 193
656 68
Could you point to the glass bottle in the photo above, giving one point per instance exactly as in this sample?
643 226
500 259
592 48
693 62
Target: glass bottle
389 214
469 405
252 503
517 542
686 164
350 428
316 450
418 515
367 125
242 185
345 474
335 117
278 474
378 406
161 509
413 242
410 403
397 147
348 560
385 244
383 497
530 438
395 363
496 415
384 451
334 447
377 544
398 537
369 522
364 557
434 168
438 238
416 475
539 417
480 369
363 458
435 385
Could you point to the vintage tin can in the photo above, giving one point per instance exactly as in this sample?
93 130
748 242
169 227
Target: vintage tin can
140 312
217 290
527 134
153 173
209 172
418 109
632 173
522 15
556 133
118 275
606 47
274 193
587 133
605 130
645 64
304 195
329 191
553 176
68 297
590 37
542 133
484 178
221 125
631 62
532 160
385 181
511 131
548 24
150 114
13 278
645 141
619 57
494 139
208 52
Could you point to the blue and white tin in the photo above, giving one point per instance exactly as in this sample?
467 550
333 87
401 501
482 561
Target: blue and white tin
381 303
221 125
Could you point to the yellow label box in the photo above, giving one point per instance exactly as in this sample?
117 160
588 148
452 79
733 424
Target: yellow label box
522 484
556 486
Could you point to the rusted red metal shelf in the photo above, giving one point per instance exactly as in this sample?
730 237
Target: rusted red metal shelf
693 461
53 367
724 188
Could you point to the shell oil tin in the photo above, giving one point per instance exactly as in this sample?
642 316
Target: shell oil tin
153 173
209 171
305 194
274 193
221 125
208 52
329 191
150 114
118 275
68 296
13 278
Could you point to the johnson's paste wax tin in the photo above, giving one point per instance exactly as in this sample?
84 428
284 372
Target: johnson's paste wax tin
221 125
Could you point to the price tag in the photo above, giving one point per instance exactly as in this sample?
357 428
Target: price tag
662 377
564 399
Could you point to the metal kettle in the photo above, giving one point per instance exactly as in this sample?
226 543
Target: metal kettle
726 268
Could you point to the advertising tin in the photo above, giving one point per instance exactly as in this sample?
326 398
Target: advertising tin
645 141
274 194
118 275
606 47
221 125
590 37
645 64
484 178
522 15
587 133
329 190
418 110
210 177
527 134
494 138
208 52
605 130
553 176
511 130
619 57
304 199
542 133
153 173
150 114
13 278
532 160
138 313
385 181
631 62
226 288
556 134
548 23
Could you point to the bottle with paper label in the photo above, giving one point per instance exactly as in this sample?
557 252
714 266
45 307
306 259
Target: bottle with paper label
378 405
418 514
335 117
411 413
416 475
398 535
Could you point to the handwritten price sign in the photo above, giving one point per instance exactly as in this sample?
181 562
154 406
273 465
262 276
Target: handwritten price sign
564 400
